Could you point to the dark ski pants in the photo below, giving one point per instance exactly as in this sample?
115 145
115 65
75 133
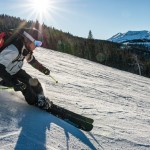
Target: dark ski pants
31 92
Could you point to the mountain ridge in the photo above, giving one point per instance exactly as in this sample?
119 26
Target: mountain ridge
130 36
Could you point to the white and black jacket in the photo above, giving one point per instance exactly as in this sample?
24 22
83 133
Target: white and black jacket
11 61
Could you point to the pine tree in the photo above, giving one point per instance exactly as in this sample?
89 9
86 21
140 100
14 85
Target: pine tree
90 36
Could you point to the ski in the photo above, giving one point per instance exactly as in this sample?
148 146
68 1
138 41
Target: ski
85 126
77 120
70 117
65 111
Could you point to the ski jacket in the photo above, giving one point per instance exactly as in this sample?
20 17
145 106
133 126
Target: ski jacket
12 58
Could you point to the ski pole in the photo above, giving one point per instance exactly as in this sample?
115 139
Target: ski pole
53 78
6 88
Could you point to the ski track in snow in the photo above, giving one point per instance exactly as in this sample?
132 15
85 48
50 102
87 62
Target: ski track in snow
118 101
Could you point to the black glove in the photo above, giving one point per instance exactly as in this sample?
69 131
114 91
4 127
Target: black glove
46 71
20 86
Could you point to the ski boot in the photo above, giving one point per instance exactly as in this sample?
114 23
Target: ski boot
44 102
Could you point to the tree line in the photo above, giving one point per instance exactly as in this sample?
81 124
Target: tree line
100 51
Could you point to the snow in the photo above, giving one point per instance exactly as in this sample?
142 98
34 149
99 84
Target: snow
119 103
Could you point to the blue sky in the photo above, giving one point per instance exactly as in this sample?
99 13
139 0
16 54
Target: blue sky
103 17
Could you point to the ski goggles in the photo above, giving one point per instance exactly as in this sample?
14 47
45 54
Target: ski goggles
36 43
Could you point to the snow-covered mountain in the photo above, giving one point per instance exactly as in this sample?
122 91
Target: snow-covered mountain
118 101
130 36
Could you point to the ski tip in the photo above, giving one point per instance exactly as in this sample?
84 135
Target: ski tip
87 129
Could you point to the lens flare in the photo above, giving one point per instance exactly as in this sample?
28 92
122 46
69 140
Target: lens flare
44 11
41 9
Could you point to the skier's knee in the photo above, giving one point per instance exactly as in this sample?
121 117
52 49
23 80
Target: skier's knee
34 81
36 85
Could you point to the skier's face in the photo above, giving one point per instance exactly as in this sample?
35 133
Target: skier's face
30 46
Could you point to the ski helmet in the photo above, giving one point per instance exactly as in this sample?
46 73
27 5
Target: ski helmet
33 35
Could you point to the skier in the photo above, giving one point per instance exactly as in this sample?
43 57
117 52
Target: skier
19 46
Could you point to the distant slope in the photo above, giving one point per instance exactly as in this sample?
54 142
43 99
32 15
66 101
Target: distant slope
118 102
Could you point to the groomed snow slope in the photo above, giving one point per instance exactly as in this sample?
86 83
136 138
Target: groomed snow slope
118 101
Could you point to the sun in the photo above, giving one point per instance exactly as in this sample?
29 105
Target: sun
40 6
44 11
41 10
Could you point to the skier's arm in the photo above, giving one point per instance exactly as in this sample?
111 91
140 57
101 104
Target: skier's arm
34 63
8 55
18 86
5 75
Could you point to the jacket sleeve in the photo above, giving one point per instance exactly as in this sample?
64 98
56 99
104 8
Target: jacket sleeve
34 63
6 76
8 55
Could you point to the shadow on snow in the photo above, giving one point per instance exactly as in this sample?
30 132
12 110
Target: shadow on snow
34 123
